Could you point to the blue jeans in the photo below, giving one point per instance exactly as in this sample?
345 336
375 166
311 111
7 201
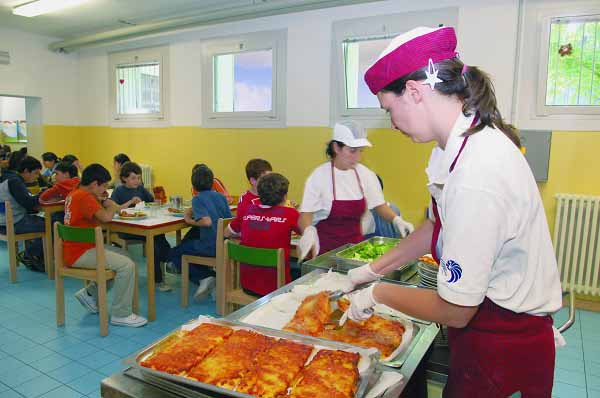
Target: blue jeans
32 223
193 246
161 252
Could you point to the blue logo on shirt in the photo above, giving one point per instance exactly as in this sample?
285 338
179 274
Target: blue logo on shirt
454 269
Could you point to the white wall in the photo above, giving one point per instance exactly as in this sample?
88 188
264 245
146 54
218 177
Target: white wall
486 34
34 71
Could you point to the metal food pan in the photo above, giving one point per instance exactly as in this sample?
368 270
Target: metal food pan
344 258
370 358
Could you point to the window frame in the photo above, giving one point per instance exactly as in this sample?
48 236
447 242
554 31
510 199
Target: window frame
374 27
259 41
544 22
140 56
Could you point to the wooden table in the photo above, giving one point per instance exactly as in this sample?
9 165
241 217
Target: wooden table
159 224
48 209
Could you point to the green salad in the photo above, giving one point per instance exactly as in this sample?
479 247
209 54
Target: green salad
371 251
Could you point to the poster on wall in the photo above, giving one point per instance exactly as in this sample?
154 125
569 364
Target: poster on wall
14 131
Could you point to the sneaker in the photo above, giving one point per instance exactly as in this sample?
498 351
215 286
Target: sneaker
133 320
172 269
205 287
164 287
88 302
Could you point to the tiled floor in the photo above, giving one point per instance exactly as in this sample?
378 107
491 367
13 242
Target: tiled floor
37 359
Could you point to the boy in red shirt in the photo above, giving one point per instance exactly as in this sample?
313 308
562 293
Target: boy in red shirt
266 225
255 168
86 207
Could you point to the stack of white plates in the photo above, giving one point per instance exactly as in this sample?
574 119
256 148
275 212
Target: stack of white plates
428 274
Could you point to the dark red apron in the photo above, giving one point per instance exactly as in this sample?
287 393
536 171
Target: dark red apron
343 224
500 351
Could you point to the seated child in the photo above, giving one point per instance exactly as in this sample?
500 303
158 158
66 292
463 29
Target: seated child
207 207
383 227
217 186
132 191
255 168
66 177
118 162
73 159
83 208
266 225
66 180
50 160
14 190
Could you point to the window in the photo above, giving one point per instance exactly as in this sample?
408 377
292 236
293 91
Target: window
245 81
13 119
574 51
356 45
359 54
137 85
570 73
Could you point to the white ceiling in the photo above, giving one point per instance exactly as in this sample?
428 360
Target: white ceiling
104 15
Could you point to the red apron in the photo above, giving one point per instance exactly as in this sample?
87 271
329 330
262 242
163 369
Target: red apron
500 351
343 224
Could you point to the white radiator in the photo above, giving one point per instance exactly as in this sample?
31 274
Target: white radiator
577 242
147 176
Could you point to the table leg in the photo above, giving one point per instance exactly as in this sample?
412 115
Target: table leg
150 273
178 237
48 249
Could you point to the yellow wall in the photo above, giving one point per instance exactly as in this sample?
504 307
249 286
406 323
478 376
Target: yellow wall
295 151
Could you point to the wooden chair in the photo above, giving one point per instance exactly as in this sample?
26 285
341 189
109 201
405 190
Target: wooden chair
125 243
12 239
186 260
100 275
235 254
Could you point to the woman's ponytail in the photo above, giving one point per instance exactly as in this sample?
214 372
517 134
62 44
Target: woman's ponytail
481 98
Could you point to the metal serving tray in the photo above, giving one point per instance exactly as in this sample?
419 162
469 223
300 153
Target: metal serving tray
418 325
344 259
180 383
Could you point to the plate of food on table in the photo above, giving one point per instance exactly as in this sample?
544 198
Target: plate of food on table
176 212
132 215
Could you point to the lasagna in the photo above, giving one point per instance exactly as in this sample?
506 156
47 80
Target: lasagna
376 332
189 349
227 364
313 318
275 369
329 374
312 315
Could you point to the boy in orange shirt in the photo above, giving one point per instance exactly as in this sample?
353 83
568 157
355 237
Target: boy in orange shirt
86 207
67 179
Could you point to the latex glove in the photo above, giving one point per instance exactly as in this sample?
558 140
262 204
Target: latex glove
402 227
361 304
362 274
308 241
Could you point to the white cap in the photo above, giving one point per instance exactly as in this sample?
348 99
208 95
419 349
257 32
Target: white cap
350 133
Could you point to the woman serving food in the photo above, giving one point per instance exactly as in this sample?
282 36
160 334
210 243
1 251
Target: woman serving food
498 281
339 193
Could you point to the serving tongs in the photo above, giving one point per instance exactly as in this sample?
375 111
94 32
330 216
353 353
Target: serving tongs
338 317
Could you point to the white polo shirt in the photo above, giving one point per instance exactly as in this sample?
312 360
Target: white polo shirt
318 190
495 240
